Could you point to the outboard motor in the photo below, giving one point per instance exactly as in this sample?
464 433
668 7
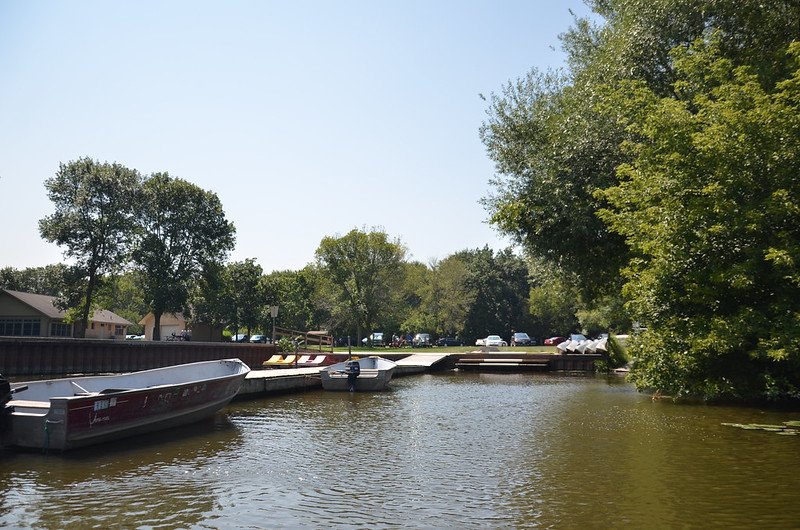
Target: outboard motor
352 369
5 397
5 391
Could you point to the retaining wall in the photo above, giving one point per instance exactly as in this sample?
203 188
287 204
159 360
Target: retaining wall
21 356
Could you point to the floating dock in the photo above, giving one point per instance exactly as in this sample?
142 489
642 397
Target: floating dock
279 380
283 380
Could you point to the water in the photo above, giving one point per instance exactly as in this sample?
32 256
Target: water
448 450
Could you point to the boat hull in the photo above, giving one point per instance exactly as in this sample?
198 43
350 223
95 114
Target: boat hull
374 375
99 415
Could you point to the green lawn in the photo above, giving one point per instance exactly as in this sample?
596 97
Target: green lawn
449 349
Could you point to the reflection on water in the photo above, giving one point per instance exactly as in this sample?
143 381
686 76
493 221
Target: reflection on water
446 450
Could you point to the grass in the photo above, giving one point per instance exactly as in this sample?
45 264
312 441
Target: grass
449 349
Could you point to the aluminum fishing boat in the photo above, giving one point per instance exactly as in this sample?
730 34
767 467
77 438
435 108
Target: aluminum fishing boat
73 412
356 375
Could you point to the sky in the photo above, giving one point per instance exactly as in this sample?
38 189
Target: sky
307 118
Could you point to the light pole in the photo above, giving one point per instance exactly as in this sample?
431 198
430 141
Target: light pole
273 310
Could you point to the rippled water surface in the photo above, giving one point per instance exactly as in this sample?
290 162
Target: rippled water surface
449 450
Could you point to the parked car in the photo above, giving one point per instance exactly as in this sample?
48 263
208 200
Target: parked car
260 338
521 339
241 337
577 337
553 341
494 340
448 341
421 340
376 339
480 342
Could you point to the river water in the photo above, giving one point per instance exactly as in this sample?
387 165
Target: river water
451 450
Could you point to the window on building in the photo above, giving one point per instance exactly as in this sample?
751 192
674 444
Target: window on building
20 327
119 330
59 329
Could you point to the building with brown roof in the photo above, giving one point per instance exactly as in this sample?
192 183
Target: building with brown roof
36 315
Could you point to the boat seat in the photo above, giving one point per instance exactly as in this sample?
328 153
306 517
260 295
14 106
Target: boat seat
279 360
25 404
275 359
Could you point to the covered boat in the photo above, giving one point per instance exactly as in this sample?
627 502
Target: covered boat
367 374
74 412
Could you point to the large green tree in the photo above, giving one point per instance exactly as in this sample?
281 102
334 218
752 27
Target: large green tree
364 268
295 293
246 294
183 231
499 288
709 205
210 298
94 219
49 280
555 143
557 140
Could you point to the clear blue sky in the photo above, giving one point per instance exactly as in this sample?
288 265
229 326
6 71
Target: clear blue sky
307 118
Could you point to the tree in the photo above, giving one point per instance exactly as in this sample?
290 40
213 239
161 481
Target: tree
561 137
49 280
553 302
183 232
364 269
555 143
443 298
94 219
709 206
413 312
210 296
246 294
122 294
500 286
295 293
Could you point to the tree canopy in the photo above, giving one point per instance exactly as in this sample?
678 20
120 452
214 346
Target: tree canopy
183 230
364 271
658 159
709 205
94 215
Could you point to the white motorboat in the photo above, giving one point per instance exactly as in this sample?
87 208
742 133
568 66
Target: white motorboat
366 374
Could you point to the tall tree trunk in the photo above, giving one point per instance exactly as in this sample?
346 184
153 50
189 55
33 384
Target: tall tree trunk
157 326
87 304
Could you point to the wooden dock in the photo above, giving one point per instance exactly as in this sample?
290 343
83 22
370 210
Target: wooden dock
418 363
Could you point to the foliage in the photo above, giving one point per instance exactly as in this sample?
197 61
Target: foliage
617 353
49 280
500 286
552 300
645 92
364 270
295 294
285 344
183 229
122 294
709 206
450 296
413 311
245 294
94 218
209 296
